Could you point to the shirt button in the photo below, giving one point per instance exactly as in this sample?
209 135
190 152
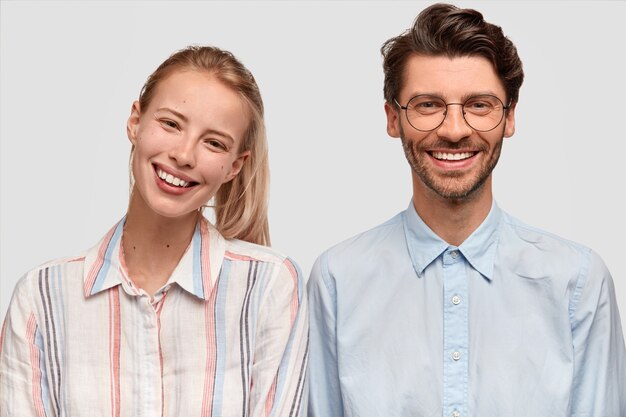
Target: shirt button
456 414
456 300
454 254
456 355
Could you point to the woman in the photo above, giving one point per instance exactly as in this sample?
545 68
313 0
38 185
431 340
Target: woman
169 315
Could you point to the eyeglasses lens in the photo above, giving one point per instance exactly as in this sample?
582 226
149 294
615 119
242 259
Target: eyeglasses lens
482 113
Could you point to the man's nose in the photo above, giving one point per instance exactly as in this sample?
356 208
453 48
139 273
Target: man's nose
454 126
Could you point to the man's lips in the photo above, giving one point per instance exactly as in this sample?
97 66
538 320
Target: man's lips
452 156
453 161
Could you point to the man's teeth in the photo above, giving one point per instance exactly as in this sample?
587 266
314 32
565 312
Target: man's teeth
170 179
452 156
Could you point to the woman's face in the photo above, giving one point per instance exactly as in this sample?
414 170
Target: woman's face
186 142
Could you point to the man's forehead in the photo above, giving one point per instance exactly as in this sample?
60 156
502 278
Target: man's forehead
429 65
445 75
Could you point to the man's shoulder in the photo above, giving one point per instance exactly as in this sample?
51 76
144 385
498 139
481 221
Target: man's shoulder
366 248
542 240
534 252
356 245
568 267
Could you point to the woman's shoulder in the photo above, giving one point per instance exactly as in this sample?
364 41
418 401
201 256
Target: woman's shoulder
58 264
56 274
236 249
241 251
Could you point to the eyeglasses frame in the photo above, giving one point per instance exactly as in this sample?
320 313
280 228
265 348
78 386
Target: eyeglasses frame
445 114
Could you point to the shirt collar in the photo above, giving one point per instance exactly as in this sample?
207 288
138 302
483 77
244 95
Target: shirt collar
479 248
196 272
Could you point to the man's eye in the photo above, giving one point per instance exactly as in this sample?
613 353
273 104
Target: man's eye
479 107
426 106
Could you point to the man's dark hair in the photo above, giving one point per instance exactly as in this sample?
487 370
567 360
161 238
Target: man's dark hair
446 30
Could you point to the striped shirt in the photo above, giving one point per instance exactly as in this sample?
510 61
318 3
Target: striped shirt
227 335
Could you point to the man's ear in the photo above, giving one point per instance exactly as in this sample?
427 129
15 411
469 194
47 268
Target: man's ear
237 165
509 121
393 120
132 125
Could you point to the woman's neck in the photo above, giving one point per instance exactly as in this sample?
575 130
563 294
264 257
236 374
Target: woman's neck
154 244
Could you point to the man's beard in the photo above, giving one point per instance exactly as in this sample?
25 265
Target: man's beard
450 185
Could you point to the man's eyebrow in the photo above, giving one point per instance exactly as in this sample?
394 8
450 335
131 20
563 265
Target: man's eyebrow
463 97
426 93
208 131
479 93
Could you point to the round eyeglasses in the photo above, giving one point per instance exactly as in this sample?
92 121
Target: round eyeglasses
482 113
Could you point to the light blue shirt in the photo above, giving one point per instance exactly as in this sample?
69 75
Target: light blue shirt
513 322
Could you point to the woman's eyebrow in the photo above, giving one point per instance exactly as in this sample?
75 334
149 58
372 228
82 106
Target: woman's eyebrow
184 119
174 112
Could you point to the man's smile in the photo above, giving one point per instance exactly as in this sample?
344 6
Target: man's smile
451 156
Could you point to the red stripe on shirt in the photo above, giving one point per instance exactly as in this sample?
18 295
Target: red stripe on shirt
159 309
294 298
31 330
236 257
93 272
271 395
114 349
211 357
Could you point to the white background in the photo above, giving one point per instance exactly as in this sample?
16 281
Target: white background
69 72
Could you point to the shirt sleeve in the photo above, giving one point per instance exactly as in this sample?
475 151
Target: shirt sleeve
281 348
23 383
599 386
324 391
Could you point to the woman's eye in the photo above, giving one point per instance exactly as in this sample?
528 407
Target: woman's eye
169 123
214 143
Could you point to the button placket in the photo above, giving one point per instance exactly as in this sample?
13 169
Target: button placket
455 322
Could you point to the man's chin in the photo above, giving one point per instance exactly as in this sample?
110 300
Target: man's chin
455 191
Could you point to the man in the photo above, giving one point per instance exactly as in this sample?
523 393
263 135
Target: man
453 307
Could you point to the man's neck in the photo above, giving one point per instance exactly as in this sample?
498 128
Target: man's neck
453 220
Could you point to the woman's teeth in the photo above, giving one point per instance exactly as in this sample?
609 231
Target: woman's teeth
452 156
170 179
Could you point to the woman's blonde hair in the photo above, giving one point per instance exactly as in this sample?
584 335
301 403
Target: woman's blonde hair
241 204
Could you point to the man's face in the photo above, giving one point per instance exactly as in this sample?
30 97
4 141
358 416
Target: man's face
453 160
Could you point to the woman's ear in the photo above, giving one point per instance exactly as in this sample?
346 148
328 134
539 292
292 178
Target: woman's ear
132 125
236 166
